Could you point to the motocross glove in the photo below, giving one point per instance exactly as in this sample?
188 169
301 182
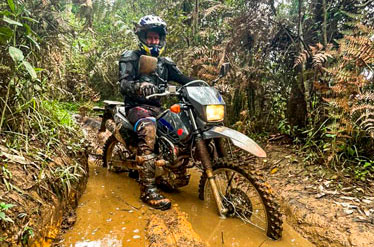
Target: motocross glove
146 88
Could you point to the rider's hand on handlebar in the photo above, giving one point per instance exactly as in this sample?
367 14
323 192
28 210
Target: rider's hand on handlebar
146 88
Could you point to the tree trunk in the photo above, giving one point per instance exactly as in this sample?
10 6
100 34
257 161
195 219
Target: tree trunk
196 17
324 24
297 107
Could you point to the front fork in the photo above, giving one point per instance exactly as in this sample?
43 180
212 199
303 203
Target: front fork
207 163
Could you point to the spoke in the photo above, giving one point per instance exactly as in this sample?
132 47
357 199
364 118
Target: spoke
229 183
246 220
241 197
119 156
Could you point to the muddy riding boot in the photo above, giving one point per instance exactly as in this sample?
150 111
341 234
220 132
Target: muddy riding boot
148 190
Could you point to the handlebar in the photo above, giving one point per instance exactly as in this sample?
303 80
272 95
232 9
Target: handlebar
196 81
171 90
166 93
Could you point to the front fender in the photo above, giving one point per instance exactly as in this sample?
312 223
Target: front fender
238 139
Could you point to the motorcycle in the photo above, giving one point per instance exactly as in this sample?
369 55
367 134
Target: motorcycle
191 134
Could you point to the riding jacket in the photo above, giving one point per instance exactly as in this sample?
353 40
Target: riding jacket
128 76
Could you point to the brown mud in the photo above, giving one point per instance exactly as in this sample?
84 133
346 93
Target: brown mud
111 214
328 209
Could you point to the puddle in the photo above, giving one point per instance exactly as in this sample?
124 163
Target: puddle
110 214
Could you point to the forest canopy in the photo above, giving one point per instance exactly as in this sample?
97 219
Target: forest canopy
301 69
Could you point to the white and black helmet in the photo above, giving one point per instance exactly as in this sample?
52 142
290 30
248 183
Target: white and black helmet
151 23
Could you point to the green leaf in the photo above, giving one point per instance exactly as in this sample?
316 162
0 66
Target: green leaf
27 27
6 31
37 87
33 41
5 206
11 5
30 69
12 22
30 19
367 164
6 13
331 135
5 34
16 54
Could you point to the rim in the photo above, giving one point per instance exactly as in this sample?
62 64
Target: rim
117 153
239 196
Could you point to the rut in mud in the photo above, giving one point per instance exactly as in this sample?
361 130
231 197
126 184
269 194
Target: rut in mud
111 214
120 219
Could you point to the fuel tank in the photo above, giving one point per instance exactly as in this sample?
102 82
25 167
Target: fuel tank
175 126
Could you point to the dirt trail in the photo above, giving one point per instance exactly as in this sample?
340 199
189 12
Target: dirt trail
111 214
326 210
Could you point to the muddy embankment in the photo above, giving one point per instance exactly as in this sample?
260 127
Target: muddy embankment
36 191
326 207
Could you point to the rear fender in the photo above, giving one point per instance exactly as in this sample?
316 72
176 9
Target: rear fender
120 119
238 139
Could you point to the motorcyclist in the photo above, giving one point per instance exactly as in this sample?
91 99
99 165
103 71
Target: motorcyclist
151 32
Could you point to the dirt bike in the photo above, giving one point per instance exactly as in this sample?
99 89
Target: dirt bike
191 134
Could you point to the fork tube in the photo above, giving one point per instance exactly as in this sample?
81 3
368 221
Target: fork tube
205 159
207 163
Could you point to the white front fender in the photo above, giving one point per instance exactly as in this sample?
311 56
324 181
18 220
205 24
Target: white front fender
238 139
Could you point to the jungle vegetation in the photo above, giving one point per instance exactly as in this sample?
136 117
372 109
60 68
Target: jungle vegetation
301 69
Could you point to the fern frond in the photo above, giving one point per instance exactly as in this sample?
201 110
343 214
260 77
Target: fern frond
368 96
302 58
368 122
213 9
320 58
353 16
362 107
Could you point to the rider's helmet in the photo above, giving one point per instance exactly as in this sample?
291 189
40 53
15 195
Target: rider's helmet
155 24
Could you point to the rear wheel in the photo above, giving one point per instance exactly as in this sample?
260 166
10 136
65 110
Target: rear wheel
115 154
245 195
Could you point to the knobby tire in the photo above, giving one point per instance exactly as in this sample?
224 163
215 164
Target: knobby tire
273 214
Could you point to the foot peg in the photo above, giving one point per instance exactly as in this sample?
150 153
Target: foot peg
141 159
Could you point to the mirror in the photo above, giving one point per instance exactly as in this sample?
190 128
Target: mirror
147 65
224 69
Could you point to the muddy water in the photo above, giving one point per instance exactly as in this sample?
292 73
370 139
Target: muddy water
110 214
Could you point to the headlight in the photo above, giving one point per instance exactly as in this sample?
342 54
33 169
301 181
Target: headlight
215 112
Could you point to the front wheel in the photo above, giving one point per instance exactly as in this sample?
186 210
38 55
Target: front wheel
245 195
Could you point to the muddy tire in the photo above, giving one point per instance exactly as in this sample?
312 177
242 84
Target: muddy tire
114 151
108 149
246 195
